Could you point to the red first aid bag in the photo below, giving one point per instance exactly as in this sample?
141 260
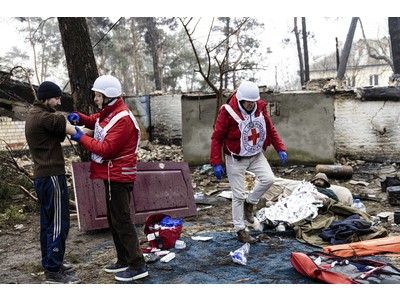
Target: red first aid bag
163 238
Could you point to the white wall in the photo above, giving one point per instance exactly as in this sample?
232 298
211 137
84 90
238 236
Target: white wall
367 129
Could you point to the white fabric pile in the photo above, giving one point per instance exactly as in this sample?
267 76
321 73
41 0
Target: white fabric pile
302 204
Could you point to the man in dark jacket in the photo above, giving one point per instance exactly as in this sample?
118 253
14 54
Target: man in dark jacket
45 130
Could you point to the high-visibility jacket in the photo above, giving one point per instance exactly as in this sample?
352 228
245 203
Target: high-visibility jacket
227 135
117 148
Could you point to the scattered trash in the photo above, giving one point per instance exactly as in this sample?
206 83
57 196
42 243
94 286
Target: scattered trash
263 238
257 225
162 253
19 226
199 196
180 244
205 168
225 194
280 227
209 193
168 257
239 256
389 181
355 182
203 208
150 257
223 185
397 217
201 238
393 193
244 279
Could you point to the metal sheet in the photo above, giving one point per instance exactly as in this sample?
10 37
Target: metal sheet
160 187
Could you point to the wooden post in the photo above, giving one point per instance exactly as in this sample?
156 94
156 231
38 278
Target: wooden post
346 49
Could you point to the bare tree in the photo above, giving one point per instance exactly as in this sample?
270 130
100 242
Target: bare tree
216 60
152 39
394 32
305 50
376 49
299 52
135 55
346 49
44 39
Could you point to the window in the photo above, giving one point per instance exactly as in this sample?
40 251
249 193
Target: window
351 81
373 80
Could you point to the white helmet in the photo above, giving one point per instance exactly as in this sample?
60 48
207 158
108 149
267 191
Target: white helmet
107 85
248 91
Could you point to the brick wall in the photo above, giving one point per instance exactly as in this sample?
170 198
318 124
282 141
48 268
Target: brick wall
13 134
367 129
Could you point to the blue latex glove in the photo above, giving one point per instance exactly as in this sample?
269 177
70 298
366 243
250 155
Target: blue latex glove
283 156
73 118
77 136
219 171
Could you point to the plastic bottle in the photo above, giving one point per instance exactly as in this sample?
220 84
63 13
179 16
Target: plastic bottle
359 205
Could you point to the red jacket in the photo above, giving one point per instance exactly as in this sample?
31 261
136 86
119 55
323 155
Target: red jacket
120 142
227 134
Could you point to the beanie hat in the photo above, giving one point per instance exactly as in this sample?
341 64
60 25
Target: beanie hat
48 90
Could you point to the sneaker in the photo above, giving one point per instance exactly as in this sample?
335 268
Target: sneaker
65 268
131 274
115 268
59 277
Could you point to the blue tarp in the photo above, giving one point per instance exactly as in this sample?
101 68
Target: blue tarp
209 262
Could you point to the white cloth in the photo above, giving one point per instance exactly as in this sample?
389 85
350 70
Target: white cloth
284 187
302 204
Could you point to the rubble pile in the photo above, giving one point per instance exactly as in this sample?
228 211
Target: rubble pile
156 152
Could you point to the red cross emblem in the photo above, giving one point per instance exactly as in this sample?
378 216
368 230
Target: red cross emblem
254 136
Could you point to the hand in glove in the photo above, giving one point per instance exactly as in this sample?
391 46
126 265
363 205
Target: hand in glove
77 136
218 171
283 156
73 118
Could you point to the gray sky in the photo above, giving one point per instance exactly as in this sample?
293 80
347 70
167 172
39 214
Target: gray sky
278 19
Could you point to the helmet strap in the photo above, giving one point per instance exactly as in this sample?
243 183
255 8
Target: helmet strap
109 101
248 111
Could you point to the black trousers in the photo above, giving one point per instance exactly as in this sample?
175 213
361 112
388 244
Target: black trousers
122 228
52 192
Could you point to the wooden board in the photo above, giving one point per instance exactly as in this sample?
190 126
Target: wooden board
160 187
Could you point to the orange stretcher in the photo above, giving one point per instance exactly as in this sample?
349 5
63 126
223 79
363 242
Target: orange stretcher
389 245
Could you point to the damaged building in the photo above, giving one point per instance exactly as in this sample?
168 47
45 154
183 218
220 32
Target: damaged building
318 125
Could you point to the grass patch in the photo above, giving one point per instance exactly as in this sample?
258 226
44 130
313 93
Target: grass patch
12 215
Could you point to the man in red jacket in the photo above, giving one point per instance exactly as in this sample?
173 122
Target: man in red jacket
114 147
242 132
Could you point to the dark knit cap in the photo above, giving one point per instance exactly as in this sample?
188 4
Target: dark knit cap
48 90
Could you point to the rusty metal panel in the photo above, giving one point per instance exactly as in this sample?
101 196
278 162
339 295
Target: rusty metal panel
160 187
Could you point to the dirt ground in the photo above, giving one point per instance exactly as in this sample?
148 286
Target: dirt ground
91 251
